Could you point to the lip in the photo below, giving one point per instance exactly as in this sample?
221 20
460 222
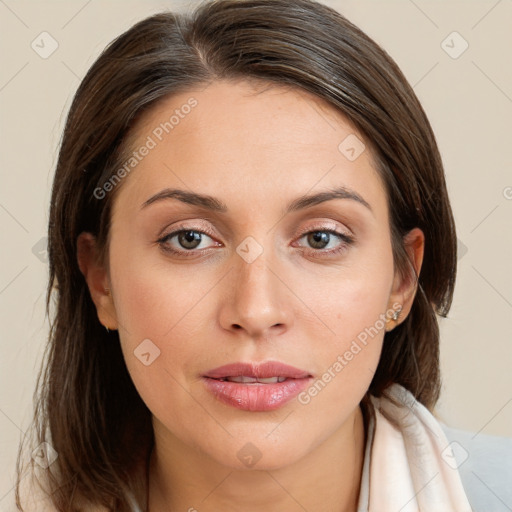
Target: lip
256 396
257 370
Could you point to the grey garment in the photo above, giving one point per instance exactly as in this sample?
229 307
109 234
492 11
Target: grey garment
485 466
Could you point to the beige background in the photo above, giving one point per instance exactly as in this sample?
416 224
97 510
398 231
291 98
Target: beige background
468 100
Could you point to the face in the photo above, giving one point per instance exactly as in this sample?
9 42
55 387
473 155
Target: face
239 267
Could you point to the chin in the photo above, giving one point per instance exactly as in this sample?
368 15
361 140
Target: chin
260 455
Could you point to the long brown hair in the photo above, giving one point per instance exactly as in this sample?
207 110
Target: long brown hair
87 407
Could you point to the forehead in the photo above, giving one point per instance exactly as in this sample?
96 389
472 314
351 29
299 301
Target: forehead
244 139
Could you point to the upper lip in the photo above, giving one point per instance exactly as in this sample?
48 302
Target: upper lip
257 370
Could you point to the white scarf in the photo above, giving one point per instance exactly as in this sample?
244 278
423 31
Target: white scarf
409 465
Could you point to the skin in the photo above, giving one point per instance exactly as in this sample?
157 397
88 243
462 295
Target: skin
256 149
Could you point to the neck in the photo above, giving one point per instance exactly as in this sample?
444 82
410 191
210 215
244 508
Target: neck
182 479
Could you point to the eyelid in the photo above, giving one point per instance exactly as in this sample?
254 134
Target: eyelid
166 231
319 225
324 226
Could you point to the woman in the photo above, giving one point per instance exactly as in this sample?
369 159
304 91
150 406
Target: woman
250 238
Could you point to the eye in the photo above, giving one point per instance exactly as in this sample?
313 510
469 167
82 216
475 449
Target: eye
320 239
187 242
183 241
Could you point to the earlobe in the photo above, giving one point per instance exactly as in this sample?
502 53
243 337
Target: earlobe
405 283
96 277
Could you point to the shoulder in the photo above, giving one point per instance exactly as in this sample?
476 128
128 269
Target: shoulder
485 466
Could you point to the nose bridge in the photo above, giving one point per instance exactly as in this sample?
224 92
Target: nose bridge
253 277
258 300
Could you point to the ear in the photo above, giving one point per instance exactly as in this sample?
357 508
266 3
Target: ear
405 283
96 276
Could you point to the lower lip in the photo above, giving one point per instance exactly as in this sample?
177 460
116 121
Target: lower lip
256 397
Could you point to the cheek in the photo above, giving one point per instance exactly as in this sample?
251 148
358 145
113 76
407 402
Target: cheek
352 307
350 299
162 321
157 346
153 297
348 363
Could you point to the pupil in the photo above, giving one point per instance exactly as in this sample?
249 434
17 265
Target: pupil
189 237
320 238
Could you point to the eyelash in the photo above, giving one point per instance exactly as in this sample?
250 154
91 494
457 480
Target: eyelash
347 240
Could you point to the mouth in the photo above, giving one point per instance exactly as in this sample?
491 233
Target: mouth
245 379
256 387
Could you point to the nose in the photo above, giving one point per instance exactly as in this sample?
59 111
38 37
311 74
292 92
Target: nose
258 301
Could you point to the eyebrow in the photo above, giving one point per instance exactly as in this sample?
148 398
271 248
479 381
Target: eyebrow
214 204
